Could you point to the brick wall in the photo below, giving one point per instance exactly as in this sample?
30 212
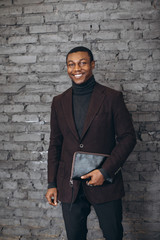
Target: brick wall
35 36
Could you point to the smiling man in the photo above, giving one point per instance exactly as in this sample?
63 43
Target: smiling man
88 117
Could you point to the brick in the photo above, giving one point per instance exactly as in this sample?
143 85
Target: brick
141 25
13 231
54 1
115 25
13 108
43 29
156 54
10 10
7 21
45 68
30 20
39 49
60 17
134 87
35 195
94 16
149 44
74 7
39 89
32 78
12 88
138 65
153 87
5 2
2 79
25 155
37 108
55 79
35 224
25 118
41 8
62 88
19 175
3 41
13 50
80 26
20 2
77 37
113 46
11 222
34 175
22 39
3 118
146 117
4 137
46 98
12 146
9 238
135 6
53 38
3 60
139 54
102 35
152 97
27 137
50 59
130 35
4 175
13 69
151 34
12 128
124 15
101 6
23 59
10 185
153 66
27 98
13 30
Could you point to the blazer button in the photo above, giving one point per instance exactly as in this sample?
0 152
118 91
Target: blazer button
81 145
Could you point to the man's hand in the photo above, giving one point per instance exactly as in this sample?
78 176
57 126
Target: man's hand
51 196
96 176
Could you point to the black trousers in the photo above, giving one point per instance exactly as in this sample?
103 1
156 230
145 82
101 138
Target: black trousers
109 215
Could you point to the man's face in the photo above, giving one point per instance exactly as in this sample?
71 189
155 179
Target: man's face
79 67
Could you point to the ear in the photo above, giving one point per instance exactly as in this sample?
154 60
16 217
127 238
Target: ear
93 64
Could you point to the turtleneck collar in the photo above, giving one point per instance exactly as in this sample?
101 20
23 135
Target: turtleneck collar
84 88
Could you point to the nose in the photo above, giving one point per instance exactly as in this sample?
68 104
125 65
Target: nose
77 67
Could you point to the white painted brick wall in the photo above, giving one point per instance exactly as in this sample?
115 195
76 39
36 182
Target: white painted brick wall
35 36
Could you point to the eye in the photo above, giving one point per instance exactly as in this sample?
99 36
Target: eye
70 65
83 63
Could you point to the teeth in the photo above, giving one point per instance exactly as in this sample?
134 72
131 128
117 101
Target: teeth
78 75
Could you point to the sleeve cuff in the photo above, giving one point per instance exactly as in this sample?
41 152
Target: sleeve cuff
106 176
52 185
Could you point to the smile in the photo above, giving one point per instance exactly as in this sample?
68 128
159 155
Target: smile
78 75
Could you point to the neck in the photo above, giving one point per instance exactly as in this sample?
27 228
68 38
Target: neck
84 88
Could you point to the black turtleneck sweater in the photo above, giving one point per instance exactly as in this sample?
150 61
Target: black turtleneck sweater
81 98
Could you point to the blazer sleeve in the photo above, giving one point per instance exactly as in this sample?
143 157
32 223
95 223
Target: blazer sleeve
125 136
55 146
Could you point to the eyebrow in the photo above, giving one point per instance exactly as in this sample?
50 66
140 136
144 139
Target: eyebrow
79 60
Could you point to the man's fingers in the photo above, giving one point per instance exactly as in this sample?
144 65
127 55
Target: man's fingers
86 176
51 196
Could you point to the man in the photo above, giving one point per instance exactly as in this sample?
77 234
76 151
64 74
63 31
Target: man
92 118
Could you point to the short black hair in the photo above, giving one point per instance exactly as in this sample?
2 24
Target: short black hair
81 49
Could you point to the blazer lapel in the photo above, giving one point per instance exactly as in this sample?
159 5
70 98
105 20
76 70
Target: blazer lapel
68 112
94 105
